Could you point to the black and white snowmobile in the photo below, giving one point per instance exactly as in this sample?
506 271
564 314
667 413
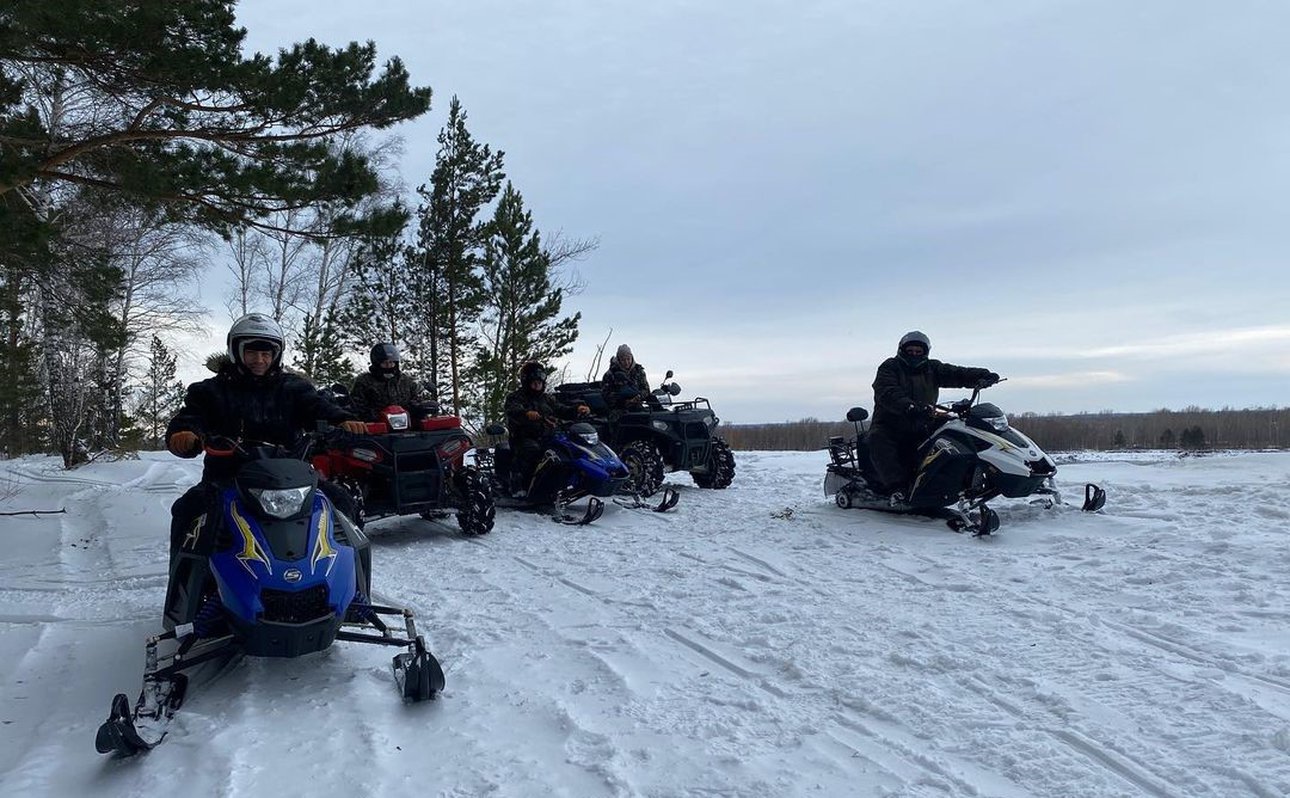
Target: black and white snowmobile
288 576
972 456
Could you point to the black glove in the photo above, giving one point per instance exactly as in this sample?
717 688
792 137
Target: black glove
916 410
988 379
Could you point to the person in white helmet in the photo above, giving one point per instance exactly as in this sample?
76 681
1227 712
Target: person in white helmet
250 398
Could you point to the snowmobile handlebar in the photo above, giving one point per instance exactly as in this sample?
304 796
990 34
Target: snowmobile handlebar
960 408
243 448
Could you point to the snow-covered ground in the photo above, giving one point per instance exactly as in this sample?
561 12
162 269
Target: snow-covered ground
757 641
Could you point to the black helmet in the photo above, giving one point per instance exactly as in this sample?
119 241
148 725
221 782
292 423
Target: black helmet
380 354
384 352
914 337
530 372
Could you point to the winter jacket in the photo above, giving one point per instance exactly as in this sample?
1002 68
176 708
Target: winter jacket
372 393
273 409
520 402
899 387
620 386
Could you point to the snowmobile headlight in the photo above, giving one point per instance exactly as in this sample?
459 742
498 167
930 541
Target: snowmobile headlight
1000 423
397 420
283 502
590 438
661 426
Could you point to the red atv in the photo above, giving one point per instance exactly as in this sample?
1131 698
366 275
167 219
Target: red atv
404 466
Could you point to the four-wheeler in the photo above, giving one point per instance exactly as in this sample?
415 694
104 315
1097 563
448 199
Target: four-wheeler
972 456
662 435
408 465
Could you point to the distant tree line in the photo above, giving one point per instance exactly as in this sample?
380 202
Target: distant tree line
1192 428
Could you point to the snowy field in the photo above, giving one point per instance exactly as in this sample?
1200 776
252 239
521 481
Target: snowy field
757 641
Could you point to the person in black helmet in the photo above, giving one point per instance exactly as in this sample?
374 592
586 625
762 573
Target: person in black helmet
250 398
904 391
384 385
530 412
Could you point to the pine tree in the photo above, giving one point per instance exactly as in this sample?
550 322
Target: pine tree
155 100
466 178
521 318
161 394
383 302
320 354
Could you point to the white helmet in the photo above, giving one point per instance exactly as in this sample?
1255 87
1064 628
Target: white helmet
254 327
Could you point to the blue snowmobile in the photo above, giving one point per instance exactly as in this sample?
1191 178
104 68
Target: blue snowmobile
289 575
575 464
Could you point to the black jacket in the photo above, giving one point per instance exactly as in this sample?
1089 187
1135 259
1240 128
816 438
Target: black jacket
274 408
898 387
520 402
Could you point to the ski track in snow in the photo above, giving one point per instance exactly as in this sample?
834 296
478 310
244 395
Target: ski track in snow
756 641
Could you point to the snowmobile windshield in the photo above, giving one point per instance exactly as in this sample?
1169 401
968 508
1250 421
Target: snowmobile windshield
584 434
988 417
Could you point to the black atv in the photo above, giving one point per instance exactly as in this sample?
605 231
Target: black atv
663 435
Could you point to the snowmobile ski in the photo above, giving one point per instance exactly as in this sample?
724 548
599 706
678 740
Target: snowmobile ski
1094 498
634 501
561 514
417 673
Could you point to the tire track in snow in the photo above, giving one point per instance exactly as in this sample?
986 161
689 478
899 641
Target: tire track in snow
620 616
1119 766
1110 693
895 757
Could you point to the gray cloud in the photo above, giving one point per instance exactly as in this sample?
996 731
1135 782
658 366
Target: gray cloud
1088 195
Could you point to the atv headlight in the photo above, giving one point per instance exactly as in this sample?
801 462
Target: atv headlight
661 426
283 502
711 421
1000 423
397 420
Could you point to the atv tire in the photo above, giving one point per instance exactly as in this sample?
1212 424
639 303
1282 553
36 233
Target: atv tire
476 512
644 468
721 467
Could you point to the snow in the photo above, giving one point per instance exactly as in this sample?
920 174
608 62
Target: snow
758 641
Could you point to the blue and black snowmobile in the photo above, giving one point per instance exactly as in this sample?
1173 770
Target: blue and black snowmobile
575 464
287 576
971 457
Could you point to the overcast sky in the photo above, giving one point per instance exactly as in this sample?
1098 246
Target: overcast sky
1087 197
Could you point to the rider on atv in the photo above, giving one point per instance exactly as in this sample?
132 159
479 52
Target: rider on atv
624 386
529 414
384 385
904 392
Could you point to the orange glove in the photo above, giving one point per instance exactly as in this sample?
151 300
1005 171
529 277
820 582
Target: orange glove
184 444
354 427
533 415
583 410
